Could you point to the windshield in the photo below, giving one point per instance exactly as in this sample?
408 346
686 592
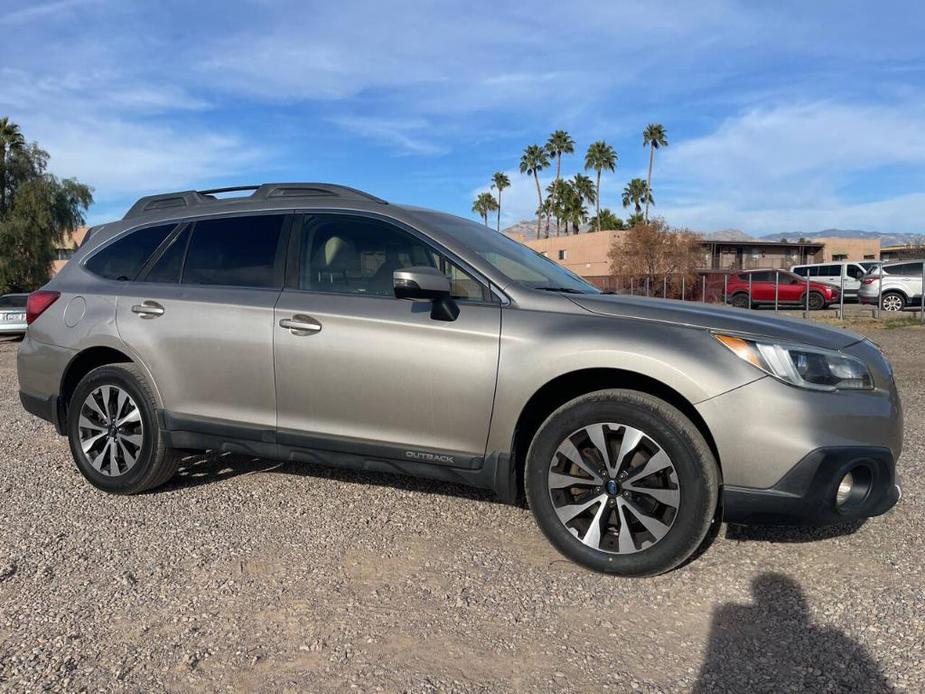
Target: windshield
13 301
520 264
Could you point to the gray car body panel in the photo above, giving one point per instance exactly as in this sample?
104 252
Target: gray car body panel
384 380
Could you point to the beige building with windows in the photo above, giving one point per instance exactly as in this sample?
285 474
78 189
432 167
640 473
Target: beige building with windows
841 248
587 254
65 249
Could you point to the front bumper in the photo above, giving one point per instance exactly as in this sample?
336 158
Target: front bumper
783 450
806 495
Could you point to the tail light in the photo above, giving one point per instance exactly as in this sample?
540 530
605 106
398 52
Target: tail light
38 302
869 280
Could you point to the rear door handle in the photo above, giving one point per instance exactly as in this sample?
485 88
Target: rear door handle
148 309
301 325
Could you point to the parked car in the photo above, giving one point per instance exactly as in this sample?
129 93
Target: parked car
902 285
790 290
13 314
319 324
844 275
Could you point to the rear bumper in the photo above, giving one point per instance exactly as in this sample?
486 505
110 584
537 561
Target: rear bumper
13 329
806 494
45 408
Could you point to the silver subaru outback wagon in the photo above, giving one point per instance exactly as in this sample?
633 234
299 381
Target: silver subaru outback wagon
317 323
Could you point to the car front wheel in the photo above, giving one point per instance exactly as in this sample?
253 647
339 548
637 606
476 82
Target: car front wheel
622 482
114 434
816 301
741 300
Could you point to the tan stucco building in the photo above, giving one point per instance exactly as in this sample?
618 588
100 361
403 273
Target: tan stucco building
841 248
587 254
66 248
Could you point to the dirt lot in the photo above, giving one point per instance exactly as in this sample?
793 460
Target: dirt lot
242 575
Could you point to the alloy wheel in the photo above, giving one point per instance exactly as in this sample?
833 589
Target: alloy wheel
891 302
614 488
110 430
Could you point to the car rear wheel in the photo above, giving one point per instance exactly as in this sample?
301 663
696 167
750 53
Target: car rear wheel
622 482
114 434
893 301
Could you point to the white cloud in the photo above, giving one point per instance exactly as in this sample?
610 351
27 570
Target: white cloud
39 10
407 135
127 157
781 168
900 214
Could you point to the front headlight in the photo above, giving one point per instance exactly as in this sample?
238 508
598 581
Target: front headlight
799 365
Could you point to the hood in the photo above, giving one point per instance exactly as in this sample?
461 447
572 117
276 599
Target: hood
717 317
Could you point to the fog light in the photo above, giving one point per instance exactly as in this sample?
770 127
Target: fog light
844 489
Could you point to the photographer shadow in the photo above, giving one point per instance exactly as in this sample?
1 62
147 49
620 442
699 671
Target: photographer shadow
773 646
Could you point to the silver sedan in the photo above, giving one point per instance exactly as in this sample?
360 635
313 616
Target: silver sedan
13 314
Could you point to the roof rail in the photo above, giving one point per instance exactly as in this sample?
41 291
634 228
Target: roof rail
264 191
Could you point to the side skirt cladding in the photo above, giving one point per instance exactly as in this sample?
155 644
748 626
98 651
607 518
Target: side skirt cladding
493 472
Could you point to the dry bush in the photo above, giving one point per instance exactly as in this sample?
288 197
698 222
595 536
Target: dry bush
655 250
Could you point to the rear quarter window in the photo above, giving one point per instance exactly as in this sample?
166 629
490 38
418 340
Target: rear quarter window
13 301
235 251
123 258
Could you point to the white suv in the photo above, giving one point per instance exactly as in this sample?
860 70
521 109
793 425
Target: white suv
902 286
844 275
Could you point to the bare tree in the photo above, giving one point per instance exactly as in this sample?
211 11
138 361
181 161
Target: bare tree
655 250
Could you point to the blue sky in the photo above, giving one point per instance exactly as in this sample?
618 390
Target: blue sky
782 116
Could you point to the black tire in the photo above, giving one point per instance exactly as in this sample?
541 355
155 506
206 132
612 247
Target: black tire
155 464
740 300
816 301
698 479
893 302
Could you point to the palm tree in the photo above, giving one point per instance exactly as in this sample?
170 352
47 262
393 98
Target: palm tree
559 143
554 198
500 181
653 136
11 140
637 194
600 156
571 203
606 219
532 161
585 187
483 204
575 193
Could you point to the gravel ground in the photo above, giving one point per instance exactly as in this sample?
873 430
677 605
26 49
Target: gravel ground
244 575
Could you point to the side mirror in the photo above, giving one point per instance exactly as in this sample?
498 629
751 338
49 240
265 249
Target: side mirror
428 284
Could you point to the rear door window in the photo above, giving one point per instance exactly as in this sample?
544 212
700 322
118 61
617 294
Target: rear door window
856 271
830 271
13 301
167 268
236 252
124 258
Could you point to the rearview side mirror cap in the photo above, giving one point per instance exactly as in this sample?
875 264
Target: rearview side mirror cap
428 284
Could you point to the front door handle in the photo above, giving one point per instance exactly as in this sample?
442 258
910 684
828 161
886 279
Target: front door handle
301 324
148 309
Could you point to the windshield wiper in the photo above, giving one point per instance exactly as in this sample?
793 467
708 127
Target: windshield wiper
564 290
